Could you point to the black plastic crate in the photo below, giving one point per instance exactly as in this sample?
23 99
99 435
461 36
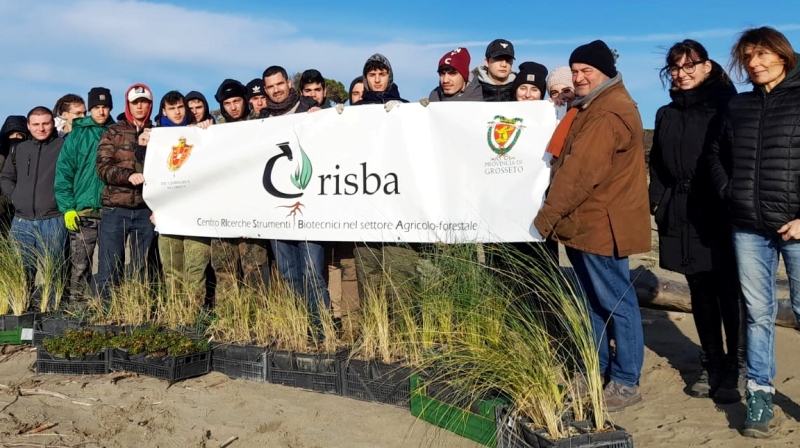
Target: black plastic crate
247 362
375 381
92 365
513 434
311 371
9 322
169 368
52 327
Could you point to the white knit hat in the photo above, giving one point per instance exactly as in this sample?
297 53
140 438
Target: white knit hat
560 75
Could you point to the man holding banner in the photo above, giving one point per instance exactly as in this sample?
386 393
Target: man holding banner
598 207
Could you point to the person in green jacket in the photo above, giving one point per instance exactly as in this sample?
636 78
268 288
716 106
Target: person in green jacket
78 189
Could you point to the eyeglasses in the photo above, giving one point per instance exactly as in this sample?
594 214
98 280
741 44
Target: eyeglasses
688 68
565 90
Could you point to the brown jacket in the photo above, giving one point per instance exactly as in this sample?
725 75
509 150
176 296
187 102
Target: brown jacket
598 200
116 161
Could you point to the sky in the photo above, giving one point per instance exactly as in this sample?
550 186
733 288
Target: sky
53 47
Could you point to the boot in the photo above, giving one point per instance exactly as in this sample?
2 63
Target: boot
728 390
709 378
759 414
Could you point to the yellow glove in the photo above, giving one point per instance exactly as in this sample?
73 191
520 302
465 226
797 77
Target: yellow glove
72 220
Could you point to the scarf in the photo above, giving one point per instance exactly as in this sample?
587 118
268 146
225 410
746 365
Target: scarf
285 105
562 130
166 122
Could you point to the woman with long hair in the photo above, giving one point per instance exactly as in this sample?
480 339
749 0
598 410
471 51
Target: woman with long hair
756 167
694 233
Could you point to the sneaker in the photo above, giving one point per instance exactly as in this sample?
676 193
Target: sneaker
619 397
701 388
728 390
759 414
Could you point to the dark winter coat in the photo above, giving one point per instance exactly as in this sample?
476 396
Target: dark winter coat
755 161
390 94
28 177
692 225
116 161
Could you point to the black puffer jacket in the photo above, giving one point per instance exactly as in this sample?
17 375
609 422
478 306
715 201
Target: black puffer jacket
690 217
756 160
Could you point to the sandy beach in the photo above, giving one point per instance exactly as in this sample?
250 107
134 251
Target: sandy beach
207 411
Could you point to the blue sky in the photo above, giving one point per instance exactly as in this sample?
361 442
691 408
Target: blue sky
53 47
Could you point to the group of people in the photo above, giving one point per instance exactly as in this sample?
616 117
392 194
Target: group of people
724 189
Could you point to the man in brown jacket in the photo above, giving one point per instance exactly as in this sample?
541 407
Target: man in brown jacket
597 207
120 162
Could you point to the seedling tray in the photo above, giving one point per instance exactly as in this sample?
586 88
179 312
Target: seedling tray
479 427
247 362
513 434
311 371
375 381
50 328
91 365
169 368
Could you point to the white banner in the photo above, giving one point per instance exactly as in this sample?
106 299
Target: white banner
452 172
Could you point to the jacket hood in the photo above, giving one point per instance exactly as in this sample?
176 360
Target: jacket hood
377 57
128 115
195 95
482 73
231 88
14 123
353 83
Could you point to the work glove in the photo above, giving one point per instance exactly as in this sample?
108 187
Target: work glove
340 108
424 102
390 104
72 220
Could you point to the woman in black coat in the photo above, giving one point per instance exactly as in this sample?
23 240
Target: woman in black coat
694 235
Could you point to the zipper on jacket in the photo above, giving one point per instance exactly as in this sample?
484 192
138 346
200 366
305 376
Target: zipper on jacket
35 178
757 177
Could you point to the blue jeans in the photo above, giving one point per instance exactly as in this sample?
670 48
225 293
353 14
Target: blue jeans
757 258
614 311
39 238
115 226
301 264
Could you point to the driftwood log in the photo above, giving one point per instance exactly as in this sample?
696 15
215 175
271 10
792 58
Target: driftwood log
670 295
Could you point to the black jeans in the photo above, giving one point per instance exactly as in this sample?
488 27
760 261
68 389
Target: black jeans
717 304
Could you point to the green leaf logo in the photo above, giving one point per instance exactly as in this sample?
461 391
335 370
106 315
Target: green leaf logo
302 175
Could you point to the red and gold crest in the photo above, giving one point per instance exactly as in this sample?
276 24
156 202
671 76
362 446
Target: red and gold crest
179 154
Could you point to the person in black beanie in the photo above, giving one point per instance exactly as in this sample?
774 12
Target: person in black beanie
598 207
231 96
597 55
256 97
531 82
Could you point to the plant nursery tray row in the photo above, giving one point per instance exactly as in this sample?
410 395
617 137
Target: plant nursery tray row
514 434
169 368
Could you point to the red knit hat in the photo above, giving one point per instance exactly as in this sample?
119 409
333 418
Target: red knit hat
458 59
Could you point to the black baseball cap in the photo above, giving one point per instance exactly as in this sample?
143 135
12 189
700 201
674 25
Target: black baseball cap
498 48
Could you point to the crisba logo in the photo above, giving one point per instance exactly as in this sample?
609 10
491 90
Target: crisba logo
300 178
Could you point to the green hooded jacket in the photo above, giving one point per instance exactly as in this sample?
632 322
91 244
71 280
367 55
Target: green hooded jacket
77 185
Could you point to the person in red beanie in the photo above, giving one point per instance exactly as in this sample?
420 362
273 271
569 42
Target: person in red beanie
455 83
120 163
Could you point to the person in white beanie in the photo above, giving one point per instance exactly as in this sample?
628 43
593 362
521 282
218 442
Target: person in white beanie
559 84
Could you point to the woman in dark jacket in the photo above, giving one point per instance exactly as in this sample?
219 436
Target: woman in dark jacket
756 167
693 232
